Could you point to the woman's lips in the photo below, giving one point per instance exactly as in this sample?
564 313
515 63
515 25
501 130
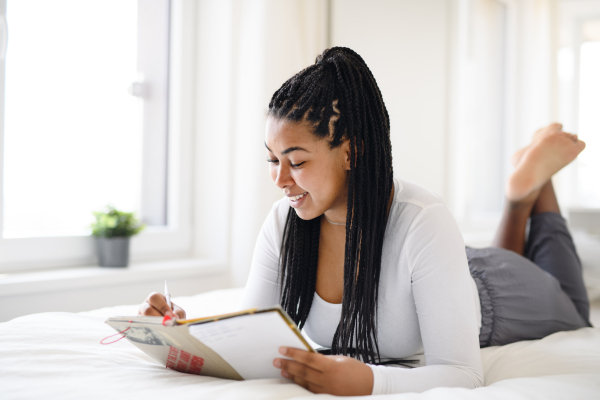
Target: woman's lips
297 200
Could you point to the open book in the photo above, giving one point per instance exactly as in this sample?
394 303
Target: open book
240 345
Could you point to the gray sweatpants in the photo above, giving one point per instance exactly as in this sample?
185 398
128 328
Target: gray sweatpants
524 298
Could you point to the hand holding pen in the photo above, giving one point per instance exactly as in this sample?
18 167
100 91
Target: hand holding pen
158 305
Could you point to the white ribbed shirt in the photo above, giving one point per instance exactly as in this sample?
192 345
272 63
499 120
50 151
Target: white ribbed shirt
428 303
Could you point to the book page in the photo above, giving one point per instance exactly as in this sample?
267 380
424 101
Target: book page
249 343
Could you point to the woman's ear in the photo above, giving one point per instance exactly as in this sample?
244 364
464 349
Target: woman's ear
348 155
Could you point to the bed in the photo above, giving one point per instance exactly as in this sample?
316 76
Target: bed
59 356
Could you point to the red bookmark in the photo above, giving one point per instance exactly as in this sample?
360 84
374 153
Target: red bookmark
119 333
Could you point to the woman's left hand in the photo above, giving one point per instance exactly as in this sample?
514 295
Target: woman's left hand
338 375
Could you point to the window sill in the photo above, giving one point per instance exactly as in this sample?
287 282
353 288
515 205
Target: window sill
96 276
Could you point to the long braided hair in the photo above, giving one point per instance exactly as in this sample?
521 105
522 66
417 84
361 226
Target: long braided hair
339 98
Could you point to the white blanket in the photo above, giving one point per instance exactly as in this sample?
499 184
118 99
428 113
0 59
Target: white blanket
59 356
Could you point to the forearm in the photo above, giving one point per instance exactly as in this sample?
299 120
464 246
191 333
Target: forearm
387 380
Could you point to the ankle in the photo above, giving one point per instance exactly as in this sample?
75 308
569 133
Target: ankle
521 207
546 201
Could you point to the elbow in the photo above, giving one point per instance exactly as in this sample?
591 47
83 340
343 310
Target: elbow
472 377
477 378
478 382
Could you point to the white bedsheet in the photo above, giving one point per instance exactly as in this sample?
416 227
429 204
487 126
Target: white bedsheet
58 356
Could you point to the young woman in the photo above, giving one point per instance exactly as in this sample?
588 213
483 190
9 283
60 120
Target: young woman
375 268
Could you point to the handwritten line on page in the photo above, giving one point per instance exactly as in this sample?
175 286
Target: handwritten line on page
249 343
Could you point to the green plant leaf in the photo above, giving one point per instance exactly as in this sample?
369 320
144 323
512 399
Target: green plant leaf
114 223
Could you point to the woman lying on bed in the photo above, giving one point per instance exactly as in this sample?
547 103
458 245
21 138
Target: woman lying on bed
375 267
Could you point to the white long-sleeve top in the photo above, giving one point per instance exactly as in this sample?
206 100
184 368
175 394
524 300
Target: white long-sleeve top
428 303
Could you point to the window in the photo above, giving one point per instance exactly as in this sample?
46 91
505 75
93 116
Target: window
85 107
578 61
504 90
480 154
588 190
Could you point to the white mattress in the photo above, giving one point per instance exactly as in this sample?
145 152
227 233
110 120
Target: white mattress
59 356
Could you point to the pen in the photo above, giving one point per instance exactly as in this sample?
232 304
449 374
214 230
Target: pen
168 296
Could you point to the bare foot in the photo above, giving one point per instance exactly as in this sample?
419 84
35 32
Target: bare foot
540 160
538 135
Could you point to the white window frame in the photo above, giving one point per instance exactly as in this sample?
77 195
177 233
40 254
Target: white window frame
173 240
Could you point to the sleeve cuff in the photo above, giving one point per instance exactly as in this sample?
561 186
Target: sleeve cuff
376 379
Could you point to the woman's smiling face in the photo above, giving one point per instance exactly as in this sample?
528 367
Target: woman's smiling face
312 176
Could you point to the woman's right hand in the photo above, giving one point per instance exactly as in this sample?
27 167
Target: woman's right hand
156 305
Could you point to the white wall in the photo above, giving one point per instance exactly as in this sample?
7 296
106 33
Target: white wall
405 44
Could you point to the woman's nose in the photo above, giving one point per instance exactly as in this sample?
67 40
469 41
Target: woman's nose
282 177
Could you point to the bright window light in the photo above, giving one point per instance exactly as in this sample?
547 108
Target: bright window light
72 132
589 125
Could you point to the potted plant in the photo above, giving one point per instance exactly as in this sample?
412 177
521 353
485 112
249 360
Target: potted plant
112 230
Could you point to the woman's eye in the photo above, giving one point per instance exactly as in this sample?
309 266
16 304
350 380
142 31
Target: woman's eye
275 161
